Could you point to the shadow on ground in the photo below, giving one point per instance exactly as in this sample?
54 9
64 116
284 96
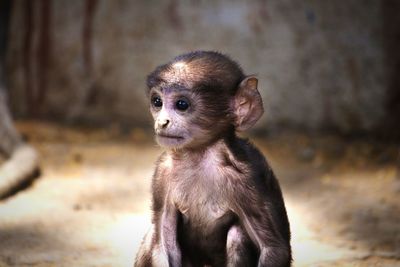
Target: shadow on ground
30 235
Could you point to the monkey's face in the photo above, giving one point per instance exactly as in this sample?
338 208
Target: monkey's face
182 119
200 97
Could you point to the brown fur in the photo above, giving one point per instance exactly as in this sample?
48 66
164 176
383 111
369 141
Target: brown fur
198 70
216 202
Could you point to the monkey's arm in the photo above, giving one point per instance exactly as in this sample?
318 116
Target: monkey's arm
166 251
168 234
259 217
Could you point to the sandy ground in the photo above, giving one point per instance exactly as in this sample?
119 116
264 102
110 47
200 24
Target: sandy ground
90 207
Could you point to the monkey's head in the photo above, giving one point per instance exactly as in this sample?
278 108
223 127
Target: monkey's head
200 97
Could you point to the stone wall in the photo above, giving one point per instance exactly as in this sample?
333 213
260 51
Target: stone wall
321 64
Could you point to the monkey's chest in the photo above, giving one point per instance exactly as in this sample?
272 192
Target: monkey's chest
205 210
205 217
201 201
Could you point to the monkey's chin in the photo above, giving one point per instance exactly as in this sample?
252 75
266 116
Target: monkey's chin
168 141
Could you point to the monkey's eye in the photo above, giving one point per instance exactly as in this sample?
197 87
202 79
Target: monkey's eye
156 101
182 105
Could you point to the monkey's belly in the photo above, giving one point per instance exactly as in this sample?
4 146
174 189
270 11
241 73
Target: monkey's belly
204 240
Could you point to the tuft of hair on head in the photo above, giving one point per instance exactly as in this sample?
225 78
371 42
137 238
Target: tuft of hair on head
199 69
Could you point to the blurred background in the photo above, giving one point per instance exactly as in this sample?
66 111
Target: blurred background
73 113
321 65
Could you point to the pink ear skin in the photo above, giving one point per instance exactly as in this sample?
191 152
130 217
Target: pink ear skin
248 106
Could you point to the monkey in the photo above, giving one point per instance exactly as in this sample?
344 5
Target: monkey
215 200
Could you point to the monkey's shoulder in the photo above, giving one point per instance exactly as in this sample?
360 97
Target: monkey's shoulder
163 164
237 163
253 167
246 154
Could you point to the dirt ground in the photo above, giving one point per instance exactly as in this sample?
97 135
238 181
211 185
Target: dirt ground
90 207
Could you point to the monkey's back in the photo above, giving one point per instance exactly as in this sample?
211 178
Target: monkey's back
260 178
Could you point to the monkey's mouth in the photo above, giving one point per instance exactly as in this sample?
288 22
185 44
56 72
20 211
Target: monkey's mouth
169 141
169 136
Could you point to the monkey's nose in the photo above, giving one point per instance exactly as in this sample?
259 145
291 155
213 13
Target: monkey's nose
163 123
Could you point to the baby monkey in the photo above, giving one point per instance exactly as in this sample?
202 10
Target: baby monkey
216 202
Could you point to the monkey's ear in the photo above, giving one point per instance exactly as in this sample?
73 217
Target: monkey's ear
248 106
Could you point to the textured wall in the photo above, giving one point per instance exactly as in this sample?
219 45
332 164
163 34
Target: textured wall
320 63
